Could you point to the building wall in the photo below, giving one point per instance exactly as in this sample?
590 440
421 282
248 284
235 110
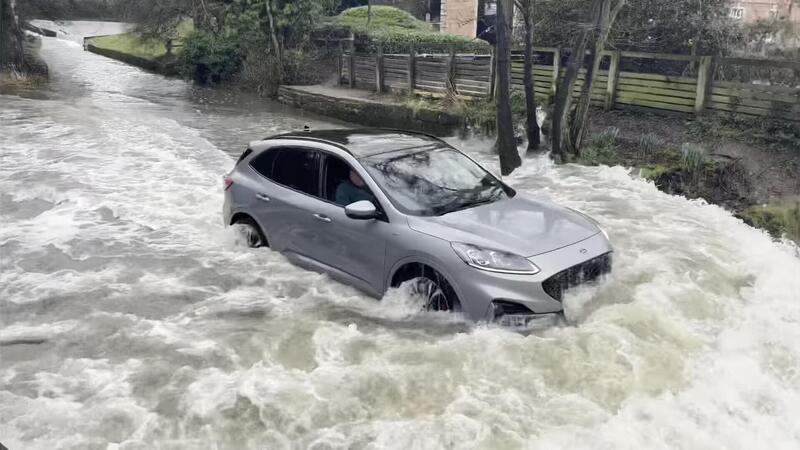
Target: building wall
749 11
459 17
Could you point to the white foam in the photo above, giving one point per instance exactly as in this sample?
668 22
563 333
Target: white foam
159 330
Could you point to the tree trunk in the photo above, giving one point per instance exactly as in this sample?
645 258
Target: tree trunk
568 134
506 144
602 28
276 46
532 125
563 100
12 53
369 12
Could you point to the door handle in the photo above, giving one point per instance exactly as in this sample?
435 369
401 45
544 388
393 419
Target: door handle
263 197
322 218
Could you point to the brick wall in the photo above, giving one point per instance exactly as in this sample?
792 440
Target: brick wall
750 11
459 17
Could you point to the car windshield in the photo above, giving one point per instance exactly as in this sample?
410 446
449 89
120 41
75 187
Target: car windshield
433 181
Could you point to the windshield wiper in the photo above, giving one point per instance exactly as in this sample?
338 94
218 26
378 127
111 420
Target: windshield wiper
459 206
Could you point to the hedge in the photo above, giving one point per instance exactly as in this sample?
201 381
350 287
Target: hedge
395 31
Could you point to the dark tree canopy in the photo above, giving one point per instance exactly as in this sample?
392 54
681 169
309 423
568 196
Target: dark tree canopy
71 9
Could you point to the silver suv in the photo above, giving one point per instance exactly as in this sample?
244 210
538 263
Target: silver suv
379 208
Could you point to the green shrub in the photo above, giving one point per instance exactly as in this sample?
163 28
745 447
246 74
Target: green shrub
517 101
602 149
654 171
649 143
693 159
210 57
606 138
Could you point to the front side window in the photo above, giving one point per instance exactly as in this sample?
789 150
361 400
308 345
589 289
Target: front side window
292 167
434 181
343 185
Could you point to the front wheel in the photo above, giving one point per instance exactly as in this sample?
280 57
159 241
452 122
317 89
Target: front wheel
433 292
250 233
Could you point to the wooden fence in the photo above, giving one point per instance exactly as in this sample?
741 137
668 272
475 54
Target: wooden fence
617 84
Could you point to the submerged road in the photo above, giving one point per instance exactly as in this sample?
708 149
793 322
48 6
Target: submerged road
129 315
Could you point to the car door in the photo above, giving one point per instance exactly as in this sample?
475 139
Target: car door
285 198
356 247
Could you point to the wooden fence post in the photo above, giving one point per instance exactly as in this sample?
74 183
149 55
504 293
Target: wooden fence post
703 83
351 72
613 76
492 75
340 63
451 70
412 65
379 70
556 71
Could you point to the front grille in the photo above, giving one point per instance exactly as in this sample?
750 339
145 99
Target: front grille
584 272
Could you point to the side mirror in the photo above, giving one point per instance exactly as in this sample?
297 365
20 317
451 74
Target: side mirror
361 210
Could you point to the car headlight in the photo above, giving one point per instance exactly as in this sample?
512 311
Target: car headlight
494 260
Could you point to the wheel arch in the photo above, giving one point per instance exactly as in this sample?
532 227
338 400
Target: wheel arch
400 265
243 215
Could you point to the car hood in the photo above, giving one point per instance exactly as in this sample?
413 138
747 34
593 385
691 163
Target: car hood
518 225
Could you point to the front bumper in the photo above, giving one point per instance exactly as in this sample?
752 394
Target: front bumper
478 289
529 322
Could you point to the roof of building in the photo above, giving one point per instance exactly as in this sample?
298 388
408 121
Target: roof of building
366 141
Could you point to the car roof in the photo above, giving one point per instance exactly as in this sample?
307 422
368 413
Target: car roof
362 142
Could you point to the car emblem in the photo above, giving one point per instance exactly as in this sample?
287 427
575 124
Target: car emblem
583 250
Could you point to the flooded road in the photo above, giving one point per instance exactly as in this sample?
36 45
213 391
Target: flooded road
130 318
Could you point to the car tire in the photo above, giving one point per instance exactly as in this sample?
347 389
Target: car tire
249 230
434 291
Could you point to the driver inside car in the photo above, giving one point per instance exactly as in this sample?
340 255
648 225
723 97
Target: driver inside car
352 190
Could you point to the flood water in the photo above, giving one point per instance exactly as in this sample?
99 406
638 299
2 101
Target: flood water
130 318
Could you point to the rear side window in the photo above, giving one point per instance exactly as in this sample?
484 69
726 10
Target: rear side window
297 169
244 155
263 162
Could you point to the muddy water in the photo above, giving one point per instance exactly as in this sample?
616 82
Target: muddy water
130 318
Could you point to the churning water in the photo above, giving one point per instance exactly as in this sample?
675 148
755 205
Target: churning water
132 319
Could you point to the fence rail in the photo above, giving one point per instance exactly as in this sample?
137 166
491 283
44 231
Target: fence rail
700 91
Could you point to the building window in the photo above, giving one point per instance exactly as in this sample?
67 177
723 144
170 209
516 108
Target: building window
737 12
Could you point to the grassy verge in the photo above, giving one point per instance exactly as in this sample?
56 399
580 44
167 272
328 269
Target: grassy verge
134 44
764 131
778 219
693 169
12 79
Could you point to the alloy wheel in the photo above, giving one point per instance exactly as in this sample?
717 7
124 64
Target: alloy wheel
249 233
430 294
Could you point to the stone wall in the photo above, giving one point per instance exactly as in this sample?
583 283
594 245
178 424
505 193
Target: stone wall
157 66
371 113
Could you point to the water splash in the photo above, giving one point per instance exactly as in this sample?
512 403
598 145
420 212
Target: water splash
136 321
